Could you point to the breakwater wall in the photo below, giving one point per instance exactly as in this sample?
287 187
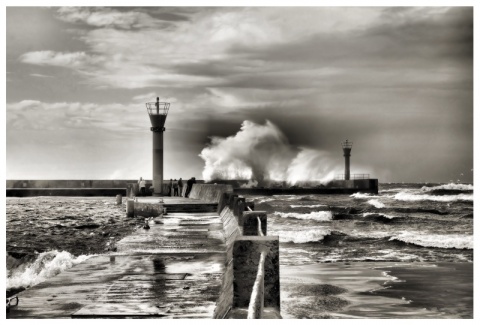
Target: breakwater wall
25 188
334 187
251 280
27 192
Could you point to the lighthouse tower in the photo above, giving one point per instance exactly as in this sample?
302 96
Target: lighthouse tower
347 148
158 115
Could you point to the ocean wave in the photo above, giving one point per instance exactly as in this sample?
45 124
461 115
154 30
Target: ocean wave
448 241
307 206
46 265
264 200
392 190
376 215
315 215
376 203
300 237
403 196
458 241
451 187
419 210
362 195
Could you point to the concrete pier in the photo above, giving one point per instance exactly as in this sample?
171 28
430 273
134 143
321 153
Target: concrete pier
172 270
186 265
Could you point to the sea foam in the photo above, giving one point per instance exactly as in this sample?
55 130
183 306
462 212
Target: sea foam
307 206
451 186
306 236
403 196
366 214
376 203
315 215
458 241
47 265
361 195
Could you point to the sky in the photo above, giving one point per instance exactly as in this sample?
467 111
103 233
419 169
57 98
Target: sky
397 81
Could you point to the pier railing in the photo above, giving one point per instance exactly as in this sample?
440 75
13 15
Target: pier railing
255 307
352 176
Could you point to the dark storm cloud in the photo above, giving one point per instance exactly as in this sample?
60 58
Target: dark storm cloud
393 42
377 56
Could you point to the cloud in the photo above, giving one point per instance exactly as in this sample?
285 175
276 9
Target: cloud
268 48
40 75
105 17
75 60
76 115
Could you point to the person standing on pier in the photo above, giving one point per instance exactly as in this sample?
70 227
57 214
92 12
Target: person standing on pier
175 187
180 187
190 183
189 187
170 187
141 185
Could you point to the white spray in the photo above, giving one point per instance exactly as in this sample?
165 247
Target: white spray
262 153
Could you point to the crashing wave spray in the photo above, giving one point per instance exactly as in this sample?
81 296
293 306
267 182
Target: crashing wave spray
262 153
47 265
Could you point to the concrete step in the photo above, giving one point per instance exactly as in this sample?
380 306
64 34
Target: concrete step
196 207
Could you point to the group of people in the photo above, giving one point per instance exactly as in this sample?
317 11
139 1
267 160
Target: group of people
175 187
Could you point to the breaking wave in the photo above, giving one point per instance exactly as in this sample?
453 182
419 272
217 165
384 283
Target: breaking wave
403 196
376 215
300 237
457 241
46 265
451 186
307 206
316 215
263 153
449 241
264 200
362 195
376 203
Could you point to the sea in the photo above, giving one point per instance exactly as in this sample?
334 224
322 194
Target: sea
404 253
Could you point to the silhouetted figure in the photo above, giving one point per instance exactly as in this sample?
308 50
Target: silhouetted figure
141 184
180 187
170 185
175 187
190 183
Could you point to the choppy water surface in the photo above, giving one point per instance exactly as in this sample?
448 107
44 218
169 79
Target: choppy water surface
400 224
46 235
405 224
342 256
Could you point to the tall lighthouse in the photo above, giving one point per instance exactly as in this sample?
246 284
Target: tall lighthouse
347 148
158 115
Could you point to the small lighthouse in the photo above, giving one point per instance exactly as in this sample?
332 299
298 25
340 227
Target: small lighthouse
347 148
158 115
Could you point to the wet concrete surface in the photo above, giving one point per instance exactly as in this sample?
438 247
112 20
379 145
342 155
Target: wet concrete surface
172 270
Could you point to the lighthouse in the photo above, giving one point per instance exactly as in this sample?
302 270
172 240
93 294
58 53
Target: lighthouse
347 148
157 111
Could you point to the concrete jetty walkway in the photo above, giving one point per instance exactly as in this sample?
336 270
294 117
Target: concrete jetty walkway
172 270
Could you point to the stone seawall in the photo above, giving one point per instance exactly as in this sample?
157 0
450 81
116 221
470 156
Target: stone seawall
28 192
